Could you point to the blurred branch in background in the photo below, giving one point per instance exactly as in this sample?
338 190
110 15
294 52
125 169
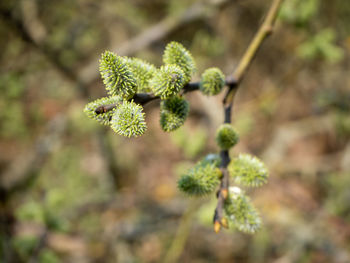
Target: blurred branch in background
23 171
31 22
28 28
201 9
183 230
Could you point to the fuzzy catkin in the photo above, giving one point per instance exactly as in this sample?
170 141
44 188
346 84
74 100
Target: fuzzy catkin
200 180
241 212
177 54
167 81
129 120
248 170
143 73
117 76
104 117
226 136
212 81
173 113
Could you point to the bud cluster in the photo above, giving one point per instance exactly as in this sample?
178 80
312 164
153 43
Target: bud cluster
125 78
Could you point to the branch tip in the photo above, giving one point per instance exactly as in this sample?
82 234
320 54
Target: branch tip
224 193
224 222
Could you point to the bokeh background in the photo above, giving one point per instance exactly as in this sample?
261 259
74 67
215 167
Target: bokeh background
73 191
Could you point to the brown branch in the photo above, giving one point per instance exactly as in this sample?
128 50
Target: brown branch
243 65
265 30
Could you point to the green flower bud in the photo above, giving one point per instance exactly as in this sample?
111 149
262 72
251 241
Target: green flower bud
241 212
200 180
248 170
143 73
177 54
129 120
167 81
173 113
226 136
104 117
212 81
117 76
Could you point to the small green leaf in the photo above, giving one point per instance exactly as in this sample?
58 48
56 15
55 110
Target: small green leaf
105 117
167 81
248 170
129 120
173 113
117 76
226 136
177 54
241 212
200 180
212 158
212 81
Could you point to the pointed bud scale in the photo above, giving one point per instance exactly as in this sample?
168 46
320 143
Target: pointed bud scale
224 222
224 193
217 226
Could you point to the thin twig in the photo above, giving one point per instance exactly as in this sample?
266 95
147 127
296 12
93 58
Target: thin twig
144 98
265 30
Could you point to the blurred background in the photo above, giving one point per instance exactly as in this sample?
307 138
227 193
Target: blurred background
74 191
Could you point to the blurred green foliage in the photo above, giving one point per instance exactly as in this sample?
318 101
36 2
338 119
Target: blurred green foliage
26 245
338 195
244 123
322 45
299 12
191 142
205 212
208 45
12 116
48 256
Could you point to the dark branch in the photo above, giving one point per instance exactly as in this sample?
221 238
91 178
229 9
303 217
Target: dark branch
144 98
233 83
